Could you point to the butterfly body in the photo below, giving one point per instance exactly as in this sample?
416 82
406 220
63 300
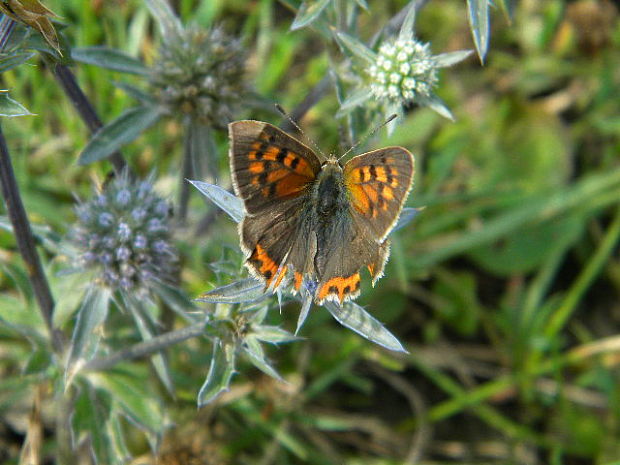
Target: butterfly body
318 221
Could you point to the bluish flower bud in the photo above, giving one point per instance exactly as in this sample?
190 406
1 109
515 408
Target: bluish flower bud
138 214
140 242
123 253
124 232
106 219
122 197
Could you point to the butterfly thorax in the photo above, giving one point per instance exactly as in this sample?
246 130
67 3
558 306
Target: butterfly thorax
329 192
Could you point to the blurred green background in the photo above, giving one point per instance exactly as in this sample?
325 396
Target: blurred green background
505 289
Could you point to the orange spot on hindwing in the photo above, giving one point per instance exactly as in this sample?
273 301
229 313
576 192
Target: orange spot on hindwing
339 287
265 266
298 280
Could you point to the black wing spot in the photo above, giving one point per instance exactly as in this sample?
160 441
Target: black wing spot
373 172
267 274
294 163
333 289
347 289
281 155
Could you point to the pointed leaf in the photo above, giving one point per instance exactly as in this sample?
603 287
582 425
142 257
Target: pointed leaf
175 298
308 12
147 332
273 334
132 393
117 439
407 29
221 371
356 47
394 109
91 315
437 105
246 290
119 132
478 13
443 60
357 319
10 107
110 58
305 309
363 4
169 24
14 59
35 15
354 100
255 353
135 92
90 416
406 216
222 198
508 7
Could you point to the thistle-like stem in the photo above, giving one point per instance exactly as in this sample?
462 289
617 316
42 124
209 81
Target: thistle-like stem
83 106
145 348
26 243
187 171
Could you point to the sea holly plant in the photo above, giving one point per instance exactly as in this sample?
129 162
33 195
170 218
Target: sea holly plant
350 314
197 78
400 73
122 243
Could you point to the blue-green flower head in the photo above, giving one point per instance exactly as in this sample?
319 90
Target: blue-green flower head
123 235
404 70
201 73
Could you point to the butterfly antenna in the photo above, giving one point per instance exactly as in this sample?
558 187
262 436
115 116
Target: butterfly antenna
294 123
367 136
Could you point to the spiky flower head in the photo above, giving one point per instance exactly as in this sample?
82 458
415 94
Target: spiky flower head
123 234
404 70
401 72
201 73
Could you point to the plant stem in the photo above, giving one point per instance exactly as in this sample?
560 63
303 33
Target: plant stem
145 348
26 243
187 171
585 279
83 106
65 404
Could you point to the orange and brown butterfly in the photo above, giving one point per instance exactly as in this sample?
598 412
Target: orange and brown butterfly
314 219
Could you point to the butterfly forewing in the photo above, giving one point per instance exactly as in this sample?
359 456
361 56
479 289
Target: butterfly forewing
268 165
379 182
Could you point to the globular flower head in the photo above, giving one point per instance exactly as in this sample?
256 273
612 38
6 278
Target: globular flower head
404 70
123 234
202 73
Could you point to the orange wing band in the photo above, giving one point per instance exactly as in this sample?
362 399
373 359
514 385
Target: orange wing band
340 287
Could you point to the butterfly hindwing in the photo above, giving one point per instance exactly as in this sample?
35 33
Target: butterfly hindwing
379 182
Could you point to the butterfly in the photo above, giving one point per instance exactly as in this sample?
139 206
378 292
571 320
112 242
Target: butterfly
312 218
